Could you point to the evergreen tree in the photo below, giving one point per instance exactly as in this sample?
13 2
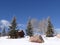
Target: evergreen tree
50 30
13 29
0 34
3 32
29 30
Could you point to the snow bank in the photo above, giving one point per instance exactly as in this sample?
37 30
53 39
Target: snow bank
25 41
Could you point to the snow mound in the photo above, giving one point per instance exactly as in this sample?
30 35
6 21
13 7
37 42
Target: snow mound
25 41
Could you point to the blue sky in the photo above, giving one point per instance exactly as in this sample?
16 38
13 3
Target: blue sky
38 9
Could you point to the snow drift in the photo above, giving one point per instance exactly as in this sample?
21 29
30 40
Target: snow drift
25 41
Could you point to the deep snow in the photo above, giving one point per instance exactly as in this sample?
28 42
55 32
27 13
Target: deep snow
25 41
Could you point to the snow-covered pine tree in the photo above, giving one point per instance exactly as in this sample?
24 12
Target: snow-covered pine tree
50 30
13 29
29 30
4 32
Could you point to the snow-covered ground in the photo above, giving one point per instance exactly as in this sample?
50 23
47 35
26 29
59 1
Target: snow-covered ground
25 41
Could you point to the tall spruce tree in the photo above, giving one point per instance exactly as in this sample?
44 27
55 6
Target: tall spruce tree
13 29
4 32
50 30
29 30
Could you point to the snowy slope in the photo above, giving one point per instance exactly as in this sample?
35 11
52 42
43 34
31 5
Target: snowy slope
25 41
